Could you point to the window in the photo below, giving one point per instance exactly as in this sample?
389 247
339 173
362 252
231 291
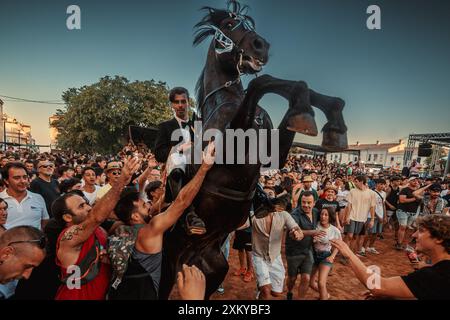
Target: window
375 157
369 157
392 159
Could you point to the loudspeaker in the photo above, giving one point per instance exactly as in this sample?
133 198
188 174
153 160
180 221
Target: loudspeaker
425 150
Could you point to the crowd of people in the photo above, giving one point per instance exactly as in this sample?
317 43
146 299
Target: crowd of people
83 227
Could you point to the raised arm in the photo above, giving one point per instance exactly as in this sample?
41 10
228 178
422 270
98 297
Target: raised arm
144 176
78 234
165 220
419 192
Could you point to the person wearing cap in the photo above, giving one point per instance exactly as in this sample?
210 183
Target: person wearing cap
407 209
112 170
307 186
330 193
432 203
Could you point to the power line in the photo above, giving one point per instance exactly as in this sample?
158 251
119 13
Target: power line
15 99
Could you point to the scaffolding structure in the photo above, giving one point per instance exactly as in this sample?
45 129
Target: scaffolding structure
437 140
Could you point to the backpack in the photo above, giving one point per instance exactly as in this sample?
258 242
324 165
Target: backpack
120 247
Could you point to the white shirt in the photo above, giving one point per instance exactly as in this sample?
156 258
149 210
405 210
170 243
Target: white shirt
342 198
323 243
315 185
379 204
92 197
29 212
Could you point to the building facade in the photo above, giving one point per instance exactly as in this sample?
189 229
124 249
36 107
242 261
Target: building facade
53 132
387 154
14 132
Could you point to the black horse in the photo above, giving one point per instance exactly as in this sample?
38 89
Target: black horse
226 196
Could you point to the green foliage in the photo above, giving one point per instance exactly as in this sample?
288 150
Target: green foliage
96 117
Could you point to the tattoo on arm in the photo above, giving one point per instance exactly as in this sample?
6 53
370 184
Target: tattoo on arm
72 232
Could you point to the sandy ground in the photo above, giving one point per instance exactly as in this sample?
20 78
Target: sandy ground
342 284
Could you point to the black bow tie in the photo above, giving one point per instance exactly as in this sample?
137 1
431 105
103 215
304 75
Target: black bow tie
185 124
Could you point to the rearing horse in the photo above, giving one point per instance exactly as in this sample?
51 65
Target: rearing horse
225 198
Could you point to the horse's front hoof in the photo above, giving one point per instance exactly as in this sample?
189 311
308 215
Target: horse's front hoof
303 123
334 141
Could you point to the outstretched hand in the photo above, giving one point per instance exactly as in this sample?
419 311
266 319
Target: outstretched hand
191 283
342 247
130 167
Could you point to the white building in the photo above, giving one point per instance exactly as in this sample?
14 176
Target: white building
13 131
387 154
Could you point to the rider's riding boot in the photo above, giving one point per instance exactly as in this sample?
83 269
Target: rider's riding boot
193 224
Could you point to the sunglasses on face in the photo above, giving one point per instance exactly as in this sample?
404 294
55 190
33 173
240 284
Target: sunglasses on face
47 166
42 242
183 101
116 173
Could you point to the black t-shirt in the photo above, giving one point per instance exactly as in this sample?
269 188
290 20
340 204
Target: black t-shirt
296 248
430 283
324 203
408 207
392 197
48 190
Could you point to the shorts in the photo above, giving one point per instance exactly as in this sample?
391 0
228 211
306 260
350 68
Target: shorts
242 240
391 215
300 264
272 273
355 227
405 218
377 227
320 258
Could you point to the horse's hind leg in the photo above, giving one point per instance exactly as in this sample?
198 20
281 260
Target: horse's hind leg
335 130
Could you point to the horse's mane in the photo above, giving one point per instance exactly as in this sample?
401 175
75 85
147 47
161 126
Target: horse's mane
204 29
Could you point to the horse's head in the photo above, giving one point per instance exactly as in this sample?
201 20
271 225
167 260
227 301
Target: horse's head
236 44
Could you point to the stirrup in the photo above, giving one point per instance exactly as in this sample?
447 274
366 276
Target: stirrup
196 231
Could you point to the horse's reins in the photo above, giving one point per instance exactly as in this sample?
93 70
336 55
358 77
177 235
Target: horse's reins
228 45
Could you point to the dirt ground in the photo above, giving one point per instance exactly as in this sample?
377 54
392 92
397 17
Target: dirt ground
342 284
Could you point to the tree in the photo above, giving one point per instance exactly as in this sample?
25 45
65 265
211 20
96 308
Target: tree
96 117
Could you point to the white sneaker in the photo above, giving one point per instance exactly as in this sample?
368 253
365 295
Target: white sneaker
372 250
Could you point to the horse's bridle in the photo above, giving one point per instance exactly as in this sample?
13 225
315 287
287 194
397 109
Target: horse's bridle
228 46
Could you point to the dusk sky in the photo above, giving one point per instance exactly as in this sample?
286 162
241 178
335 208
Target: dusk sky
395 81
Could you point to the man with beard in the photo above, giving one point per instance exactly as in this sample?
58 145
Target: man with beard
176 152
80 248
428 283
136 250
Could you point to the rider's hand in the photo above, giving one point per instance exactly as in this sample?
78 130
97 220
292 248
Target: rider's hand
209 156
